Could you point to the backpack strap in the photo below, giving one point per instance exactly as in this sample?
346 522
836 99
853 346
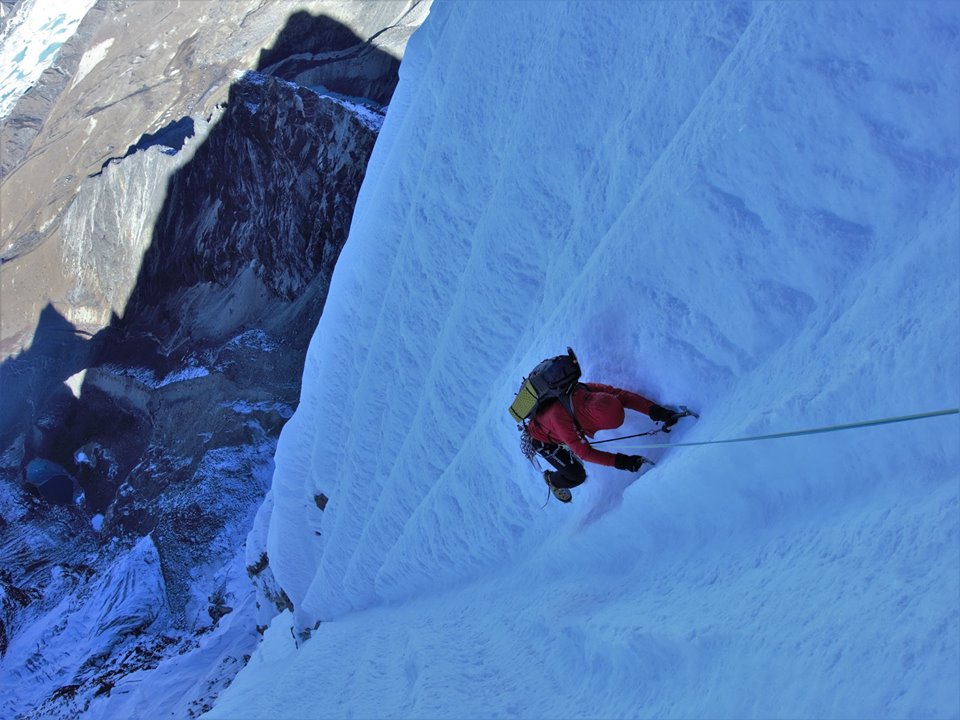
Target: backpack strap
567 401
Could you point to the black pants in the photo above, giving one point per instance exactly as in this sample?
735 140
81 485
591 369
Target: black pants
569 470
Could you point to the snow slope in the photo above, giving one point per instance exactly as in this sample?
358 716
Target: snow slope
752 209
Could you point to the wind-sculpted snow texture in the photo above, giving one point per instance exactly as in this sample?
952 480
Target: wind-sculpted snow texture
750 209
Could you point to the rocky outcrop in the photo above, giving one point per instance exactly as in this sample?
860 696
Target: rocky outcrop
264 184
269 188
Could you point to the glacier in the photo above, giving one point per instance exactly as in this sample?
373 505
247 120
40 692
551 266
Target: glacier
30 40
753 209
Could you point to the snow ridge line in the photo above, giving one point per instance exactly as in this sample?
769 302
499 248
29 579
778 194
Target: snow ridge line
808 431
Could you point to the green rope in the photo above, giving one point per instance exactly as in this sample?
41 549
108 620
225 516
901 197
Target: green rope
811 431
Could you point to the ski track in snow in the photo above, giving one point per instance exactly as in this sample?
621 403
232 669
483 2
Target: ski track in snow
750 209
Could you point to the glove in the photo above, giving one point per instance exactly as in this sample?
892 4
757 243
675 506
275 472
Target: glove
630 463
668 417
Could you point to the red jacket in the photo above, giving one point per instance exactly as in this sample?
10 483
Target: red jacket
597 407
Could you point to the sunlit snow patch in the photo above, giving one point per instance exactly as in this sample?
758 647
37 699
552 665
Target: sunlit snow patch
145 376
255 339
245 408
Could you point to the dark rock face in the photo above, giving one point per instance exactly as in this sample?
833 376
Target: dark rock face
270 188
186 255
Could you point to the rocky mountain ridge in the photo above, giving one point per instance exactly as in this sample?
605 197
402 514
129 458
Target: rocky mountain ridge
156 310
134 69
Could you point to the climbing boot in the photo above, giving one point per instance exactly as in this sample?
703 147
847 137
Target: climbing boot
562 494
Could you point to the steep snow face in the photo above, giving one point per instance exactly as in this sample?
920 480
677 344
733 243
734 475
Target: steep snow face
750 209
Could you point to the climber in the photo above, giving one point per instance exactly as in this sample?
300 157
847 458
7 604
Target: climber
562 439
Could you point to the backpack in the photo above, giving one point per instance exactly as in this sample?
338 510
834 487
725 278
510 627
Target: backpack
553 379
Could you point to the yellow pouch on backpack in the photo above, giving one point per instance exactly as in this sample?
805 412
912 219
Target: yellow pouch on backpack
524 402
